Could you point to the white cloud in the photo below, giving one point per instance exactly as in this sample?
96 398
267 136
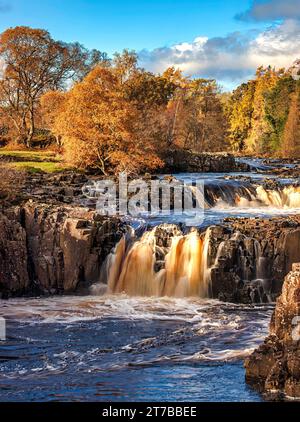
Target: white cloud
229 58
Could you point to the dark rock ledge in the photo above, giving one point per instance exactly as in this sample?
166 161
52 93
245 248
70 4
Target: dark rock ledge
50 249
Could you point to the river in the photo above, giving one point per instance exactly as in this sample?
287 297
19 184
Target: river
118 347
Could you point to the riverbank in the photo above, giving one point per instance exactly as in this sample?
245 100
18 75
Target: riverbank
177 160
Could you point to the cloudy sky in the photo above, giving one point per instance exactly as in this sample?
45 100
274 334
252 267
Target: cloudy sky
220 39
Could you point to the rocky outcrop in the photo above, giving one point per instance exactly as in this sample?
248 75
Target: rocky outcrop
186 161
13 255
60 248
274 368
249 258
53 249
55 189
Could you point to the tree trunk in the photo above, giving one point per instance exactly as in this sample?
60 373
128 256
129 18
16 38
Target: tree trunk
59 141
22 129
31 129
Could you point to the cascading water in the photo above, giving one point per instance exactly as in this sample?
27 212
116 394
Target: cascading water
166 262
170 342
133 272
185 273
287 197
131 269
251 195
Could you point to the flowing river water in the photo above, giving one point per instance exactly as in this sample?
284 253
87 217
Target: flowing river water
146 335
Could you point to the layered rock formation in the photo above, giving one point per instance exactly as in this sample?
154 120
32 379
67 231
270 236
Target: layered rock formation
186 161
13 255
52 249
60 248
249 258
274 367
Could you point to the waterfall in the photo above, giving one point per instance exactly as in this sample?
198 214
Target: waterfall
132 269
288 197
166 262
132 272
183 270
206 269
246 195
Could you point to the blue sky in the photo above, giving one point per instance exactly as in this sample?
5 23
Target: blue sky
204 37
112 25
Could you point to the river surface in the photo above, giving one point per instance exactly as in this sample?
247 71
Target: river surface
120 348
117 348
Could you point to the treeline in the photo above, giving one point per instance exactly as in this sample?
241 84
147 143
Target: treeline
111 115
107 114
263 114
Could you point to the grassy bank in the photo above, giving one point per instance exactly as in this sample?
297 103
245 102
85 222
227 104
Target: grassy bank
33 161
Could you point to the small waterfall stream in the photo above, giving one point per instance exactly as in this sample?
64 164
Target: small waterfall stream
287 197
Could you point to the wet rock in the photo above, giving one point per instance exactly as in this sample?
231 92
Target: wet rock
52 249
274 367
249 258
191 162
13 255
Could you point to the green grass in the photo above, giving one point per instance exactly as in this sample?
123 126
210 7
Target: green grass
31 155
38 167
34 161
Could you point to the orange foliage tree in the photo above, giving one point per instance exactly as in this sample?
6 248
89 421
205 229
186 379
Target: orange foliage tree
52 107
34 63
99 127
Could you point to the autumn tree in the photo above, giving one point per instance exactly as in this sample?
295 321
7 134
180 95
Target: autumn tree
125 65
291 135
175 105
52 108
201 123
150 95
98 127
239 113
277 107
266 79
33 64
258 111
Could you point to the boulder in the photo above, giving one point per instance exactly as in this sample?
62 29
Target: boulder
274 368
